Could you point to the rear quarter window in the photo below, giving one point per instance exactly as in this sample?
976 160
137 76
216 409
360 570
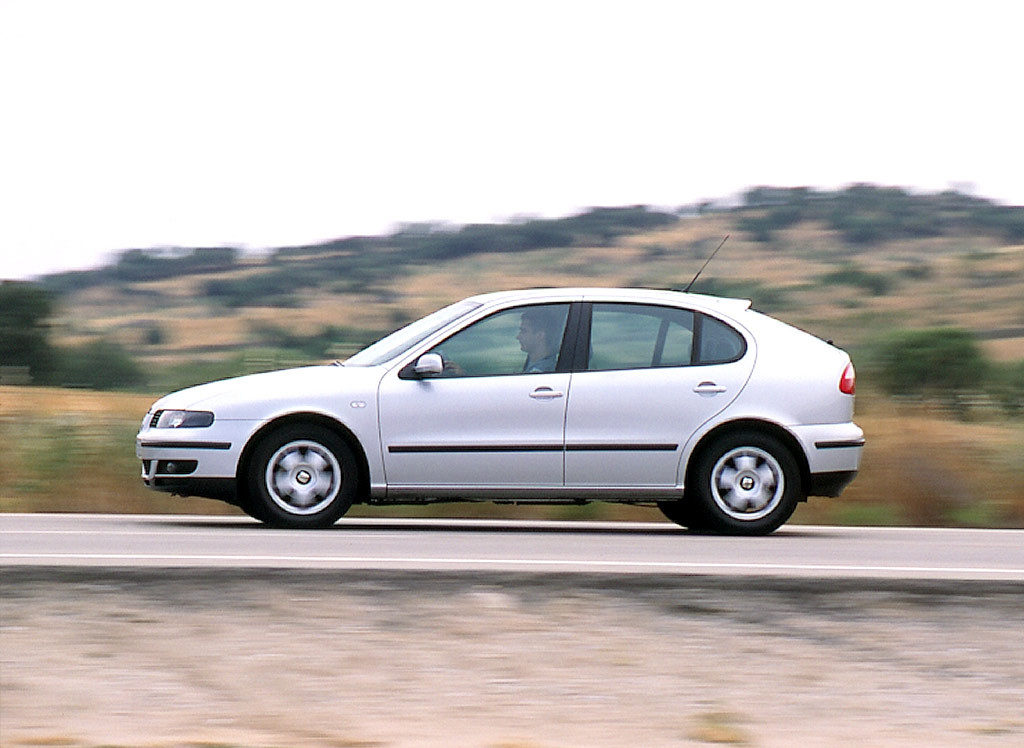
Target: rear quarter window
719 343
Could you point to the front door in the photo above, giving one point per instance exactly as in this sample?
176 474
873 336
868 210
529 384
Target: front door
494 418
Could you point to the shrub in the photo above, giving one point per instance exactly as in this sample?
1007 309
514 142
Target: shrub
319 345
99 365
945 362
877 284
917 271
1006 386
266 289
156 264
762 226
24 329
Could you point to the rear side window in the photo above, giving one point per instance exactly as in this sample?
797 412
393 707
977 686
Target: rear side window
719 343
637 336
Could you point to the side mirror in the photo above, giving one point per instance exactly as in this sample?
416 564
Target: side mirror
429 365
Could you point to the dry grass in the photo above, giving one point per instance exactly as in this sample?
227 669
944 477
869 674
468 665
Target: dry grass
719 728
22 403
73 450
924 467
1007 349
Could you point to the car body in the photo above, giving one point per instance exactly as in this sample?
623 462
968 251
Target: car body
724 417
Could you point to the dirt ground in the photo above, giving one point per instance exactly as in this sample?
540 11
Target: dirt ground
211 659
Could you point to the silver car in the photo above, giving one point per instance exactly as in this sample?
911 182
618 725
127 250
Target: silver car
722 416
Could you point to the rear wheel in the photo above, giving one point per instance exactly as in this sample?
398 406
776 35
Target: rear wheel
302 476
746 484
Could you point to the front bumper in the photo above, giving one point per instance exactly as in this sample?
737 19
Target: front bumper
223 489
193 462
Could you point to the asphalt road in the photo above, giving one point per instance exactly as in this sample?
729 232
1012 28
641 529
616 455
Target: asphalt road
79 540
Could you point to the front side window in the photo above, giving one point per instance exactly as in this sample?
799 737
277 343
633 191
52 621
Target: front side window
636 336
524 340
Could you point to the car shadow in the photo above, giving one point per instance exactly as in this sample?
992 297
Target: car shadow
397 525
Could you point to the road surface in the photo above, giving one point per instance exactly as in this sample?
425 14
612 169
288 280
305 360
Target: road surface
168 631
510 546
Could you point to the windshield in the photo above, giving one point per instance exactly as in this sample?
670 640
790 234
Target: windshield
402 340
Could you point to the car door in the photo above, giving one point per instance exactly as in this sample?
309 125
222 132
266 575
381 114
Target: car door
653 374
493 418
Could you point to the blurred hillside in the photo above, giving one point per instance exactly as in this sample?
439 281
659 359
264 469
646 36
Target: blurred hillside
849 265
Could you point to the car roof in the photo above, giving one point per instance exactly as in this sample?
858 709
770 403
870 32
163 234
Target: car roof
634 295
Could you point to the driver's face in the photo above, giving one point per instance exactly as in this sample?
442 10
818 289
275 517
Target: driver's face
531 340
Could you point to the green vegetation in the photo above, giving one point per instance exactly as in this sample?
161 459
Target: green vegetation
941 362
328 341
948 367
24 336
98 365
136 265
865 214
1005 384
877 284
25 310
266 289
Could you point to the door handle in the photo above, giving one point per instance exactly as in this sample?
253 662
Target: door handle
545 393
708 388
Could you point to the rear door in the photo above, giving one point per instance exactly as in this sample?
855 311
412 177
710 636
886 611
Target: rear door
652 375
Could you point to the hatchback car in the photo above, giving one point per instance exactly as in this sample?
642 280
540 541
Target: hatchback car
721 416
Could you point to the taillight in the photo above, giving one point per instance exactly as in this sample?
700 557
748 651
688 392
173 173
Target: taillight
848 381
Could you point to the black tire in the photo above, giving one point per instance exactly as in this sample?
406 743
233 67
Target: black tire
745 484
252 507
301 476
685 513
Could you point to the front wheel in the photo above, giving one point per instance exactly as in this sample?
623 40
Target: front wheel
746 484
302 476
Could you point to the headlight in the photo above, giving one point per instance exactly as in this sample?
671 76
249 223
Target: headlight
183 419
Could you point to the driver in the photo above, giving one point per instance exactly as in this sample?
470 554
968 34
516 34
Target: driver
539 337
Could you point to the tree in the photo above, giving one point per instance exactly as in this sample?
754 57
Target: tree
942 361
24 331
99 365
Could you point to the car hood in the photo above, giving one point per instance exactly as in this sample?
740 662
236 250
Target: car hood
256 396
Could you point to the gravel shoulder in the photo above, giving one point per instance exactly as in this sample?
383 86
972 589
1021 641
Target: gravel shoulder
160 658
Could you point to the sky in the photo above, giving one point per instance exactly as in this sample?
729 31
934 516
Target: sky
259 124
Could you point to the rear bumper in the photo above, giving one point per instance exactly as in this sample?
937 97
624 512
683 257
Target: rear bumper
830 484
831 447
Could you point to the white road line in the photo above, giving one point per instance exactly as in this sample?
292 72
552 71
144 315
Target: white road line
235 533
505 562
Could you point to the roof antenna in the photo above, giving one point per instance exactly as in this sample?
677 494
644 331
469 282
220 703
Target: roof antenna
687 289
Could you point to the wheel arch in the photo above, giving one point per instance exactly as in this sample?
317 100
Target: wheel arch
746 425
318 419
